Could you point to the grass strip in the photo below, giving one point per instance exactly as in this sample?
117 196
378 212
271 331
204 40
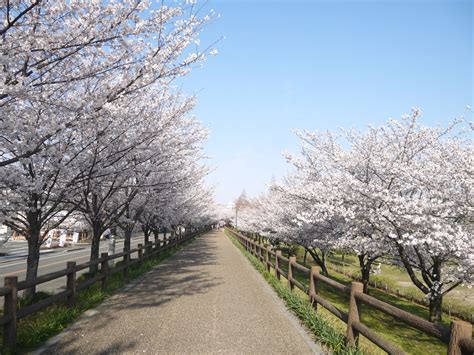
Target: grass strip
34 330
302 308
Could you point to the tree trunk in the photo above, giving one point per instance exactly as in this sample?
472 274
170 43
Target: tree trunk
436 311
324 268
156 234
320 261
128 237
365 266
436 300
146 234
32 263
365 272
95 246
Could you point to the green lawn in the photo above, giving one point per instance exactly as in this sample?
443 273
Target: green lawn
460 300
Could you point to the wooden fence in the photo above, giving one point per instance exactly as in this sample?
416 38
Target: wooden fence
458 337
11 312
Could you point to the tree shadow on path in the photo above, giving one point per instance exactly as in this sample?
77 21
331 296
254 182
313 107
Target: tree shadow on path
184 274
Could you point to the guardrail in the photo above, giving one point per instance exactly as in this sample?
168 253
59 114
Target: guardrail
11 311
458 337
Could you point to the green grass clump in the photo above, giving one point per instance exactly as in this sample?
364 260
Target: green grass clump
34 330
302 308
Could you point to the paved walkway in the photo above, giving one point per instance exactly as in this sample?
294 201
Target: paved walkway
205 299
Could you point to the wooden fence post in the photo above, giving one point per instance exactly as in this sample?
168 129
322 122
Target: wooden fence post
291 261
148 247
313 285
104 268
277 264
159 247
9 309
267 257
354 314
140 255
71 283
459 330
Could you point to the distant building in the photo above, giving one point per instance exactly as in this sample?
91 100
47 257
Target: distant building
74 226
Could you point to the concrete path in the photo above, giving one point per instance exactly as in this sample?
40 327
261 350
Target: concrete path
205 299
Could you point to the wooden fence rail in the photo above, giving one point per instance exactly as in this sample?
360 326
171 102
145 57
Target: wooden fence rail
11 311
458 337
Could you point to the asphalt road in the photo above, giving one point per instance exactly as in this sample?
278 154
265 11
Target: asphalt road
14 264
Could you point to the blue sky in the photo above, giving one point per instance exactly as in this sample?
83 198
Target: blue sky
321 65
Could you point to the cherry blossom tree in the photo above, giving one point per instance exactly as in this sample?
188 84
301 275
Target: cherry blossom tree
35 195
401 191
423 202
72 58
327 174
78 83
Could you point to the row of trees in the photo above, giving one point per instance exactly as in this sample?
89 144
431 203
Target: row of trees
91 124
403 192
